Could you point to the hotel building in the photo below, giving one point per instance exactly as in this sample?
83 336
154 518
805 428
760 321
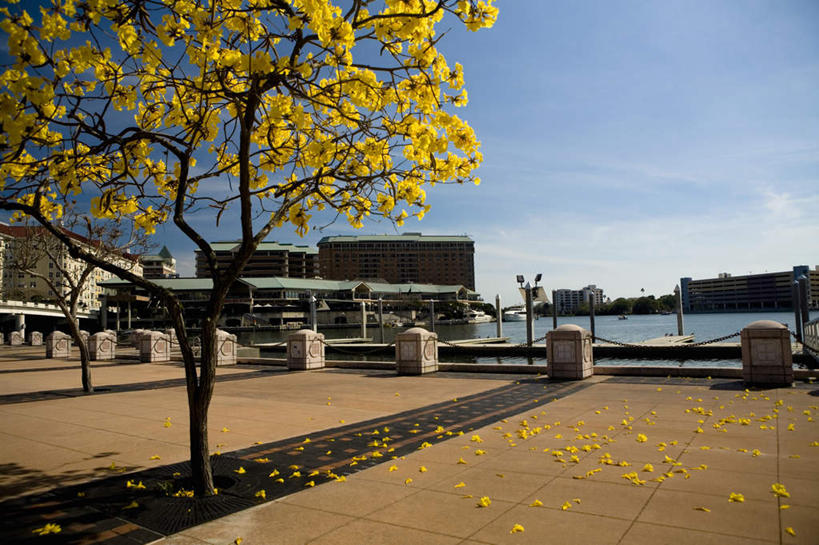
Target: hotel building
399 259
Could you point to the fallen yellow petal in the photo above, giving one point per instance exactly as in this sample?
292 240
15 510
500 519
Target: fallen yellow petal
790 531
566 506
536 503
703 509
736 497
240 470
484 501
517 528
261 494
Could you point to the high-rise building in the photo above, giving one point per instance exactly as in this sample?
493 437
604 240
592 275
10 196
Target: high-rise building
269 259
765 291
399 259
567 301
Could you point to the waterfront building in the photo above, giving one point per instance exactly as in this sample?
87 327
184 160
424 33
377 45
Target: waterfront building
399 259
24 286
270 259
765 291
568 301
161 265
280 301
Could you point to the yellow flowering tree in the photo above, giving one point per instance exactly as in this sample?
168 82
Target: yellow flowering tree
262 111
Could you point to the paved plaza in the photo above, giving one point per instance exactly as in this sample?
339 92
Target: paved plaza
364 456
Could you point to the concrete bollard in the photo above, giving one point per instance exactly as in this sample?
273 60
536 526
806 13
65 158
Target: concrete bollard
16 338
36 338
766 353
305 350
569 353
102 346
2 339
225 348
58 345
416 352
154 347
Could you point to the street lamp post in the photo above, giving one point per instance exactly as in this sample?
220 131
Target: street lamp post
530 315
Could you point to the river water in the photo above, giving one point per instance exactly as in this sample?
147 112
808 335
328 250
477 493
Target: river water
635 328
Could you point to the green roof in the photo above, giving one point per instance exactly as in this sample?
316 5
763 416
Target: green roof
173 284
229 245
304 284
407 237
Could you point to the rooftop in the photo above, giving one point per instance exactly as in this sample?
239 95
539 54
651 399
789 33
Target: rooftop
406 237
272 246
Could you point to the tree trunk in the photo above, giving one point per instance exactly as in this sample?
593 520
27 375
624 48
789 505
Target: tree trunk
201 471
198 404
85 358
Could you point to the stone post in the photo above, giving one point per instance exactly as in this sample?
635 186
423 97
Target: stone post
102 346
225 348
569 352
363 320
591 313
305 350
16 338
2 339
154 347
416 352
380 320
766 353
36 338
499 316
58 345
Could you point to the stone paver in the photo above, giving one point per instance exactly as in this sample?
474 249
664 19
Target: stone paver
621 462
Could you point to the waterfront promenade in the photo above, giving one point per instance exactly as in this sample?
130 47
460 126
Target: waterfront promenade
479 458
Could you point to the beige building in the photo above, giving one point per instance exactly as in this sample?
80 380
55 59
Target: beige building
18 285
161 265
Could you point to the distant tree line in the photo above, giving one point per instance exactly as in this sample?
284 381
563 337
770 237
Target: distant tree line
647 304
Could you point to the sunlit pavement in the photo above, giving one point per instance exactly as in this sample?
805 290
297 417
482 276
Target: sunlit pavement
614 460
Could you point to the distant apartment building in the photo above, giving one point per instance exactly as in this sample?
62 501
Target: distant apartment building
766 291
161 265
568 301
20 285
399 259
269 259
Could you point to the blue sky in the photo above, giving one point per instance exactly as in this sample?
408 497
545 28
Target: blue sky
627 144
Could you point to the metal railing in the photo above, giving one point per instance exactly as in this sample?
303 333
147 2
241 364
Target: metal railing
811 337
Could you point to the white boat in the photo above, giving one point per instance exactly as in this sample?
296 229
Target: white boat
477 317
515 314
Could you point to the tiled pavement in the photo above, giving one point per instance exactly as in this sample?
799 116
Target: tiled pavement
568 454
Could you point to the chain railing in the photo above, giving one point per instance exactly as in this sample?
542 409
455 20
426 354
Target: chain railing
652 346
356 352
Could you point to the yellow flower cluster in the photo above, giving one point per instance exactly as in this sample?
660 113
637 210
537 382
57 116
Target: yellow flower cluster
303 127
